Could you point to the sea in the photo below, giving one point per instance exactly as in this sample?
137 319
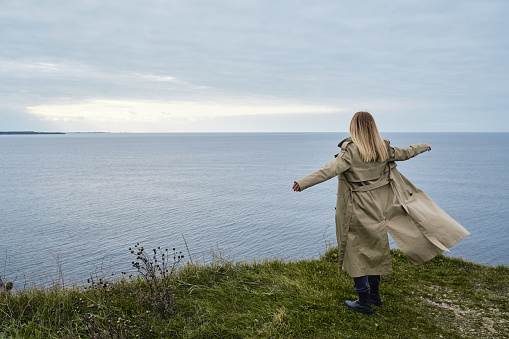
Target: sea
72 205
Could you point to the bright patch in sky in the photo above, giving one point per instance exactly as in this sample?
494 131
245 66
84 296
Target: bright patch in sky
144 111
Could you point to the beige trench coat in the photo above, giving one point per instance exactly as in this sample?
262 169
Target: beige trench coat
375 199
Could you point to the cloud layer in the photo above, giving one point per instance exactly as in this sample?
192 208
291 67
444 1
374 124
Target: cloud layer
420 65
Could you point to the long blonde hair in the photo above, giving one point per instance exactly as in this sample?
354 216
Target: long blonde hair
365 135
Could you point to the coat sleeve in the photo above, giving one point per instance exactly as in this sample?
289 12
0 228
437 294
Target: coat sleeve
405 153
332 169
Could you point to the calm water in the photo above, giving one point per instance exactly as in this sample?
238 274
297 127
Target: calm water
88 197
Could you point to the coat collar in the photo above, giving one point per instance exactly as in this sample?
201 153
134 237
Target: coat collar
343 143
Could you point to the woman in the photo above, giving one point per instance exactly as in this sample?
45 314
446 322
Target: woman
373 199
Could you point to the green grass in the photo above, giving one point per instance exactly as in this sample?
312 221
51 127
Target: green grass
444 298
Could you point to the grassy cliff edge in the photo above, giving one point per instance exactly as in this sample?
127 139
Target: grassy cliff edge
444 298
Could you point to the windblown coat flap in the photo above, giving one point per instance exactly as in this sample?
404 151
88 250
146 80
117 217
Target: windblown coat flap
374 199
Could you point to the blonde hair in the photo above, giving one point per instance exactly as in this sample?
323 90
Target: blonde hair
365 135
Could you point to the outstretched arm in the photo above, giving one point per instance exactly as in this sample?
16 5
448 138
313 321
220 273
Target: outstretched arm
405 153
332 169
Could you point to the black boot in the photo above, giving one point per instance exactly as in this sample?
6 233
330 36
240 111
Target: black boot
374 295
363 304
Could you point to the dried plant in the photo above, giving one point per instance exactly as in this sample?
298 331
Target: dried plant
157 268
105 317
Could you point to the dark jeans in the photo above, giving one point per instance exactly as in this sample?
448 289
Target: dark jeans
360 284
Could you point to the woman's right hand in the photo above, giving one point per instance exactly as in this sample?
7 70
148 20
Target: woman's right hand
296 186
429 147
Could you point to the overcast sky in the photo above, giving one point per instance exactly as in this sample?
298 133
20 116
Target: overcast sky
233 65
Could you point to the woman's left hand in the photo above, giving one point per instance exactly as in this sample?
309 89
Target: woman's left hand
429 147
296 186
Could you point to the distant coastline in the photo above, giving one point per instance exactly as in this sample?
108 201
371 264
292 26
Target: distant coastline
27 133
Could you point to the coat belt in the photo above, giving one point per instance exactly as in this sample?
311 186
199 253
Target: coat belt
369 187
